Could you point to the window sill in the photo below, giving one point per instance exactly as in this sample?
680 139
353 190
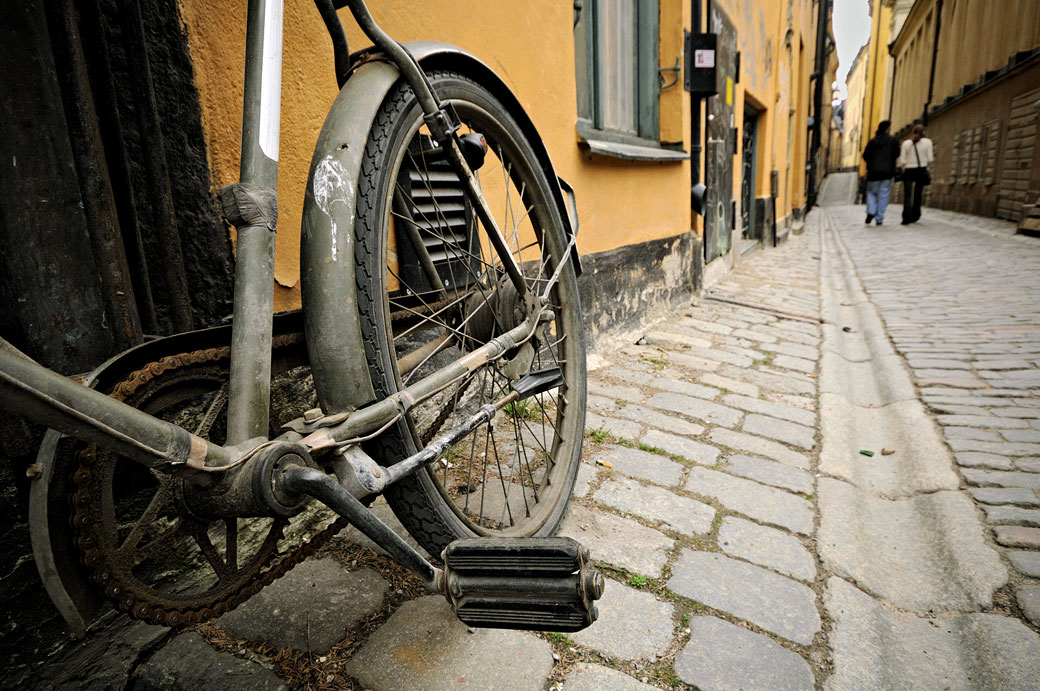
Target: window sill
634 152
627 147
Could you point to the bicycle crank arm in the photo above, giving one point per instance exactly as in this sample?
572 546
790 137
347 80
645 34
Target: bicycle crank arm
539 584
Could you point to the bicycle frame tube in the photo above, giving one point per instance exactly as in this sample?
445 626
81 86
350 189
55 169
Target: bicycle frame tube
250 389
38 394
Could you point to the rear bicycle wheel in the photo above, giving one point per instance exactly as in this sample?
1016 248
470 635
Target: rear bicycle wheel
431 289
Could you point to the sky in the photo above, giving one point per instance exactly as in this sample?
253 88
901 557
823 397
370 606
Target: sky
851 21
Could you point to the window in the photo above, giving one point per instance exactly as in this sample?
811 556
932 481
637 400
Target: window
617 71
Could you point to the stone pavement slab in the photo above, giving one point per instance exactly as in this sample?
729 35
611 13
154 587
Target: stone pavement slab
310 608
689 449
1010 495
997 478
1028 598
658 419
632 625
643 465
780 430
922 554
681 514
773 602
424 647
1012 515
877 647
189 662
712 413
1028 563
720 655
589 677
921 462
752 499
765 407
610 539
770 473
766 547
1017 536
747 443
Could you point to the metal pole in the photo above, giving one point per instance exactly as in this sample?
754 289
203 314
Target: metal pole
251 330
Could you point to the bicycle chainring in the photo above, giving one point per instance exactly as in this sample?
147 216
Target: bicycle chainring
146 554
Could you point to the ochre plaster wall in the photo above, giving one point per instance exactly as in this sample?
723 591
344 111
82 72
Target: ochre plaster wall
529 44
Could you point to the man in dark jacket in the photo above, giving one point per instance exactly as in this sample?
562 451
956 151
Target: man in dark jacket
881 154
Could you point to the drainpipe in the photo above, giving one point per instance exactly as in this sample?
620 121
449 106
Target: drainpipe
818 75
695 111
935 52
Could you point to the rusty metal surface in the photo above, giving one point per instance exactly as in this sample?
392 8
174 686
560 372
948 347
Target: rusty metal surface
110 568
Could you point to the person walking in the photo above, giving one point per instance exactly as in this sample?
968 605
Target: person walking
880 154
915 155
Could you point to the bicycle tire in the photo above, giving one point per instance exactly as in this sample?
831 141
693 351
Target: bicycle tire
436 505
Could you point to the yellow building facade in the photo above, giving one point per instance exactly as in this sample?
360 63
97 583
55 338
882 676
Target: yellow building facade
856 88
532 47
970 71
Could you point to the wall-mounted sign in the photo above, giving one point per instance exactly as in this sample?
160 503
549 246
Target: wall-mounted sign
700 64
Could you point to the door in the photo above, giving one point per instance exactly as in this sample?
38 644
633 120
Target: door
721 140
748 173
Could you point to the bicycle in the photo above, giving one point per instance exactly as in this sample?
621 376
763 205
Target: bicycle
441 322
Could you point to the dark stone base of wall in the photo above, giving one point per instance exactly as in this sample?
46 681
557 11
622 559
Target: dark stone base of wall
625 288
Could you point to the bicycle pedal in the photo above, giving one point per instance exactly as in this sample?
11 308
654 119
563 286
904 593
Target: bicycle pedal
537 584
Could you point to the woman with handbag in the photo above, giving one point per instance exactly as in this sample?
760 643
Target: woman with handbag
915 156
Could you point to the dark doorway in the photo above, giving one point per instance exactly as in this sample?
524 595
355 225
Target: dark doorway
748 173
721 140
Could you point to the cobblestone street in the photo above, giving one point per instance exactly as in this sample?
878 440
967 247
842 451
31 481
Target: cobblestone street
822 473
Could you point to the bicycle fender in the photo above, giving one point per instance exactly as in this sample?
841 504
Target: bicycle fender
331 318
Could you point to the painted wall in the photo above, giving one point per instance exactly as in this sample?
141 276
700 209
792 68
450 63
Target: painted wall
856 87
777 41
975 36
877 70
530 45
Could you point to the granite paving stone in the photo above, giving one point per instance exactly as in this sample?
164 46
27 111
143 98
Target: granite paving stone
770 473
762 503
632 624
971 433
727 384
976 459
668 340
586 676
1012 515
587 474
623 429
660 420
920 554
694 363
997 478
1005 495
687 448
1028 563
629 376
1030 465
188 662
773 602
794 349
757 445
642 464
721 356
796 363
610 539
614 391
1021 435
1003 448
766 547
771 408
780 430
985 421
765 380
1028 597
756 336
424 647
721 656
681 514
1017 536
310 609
687 388
877 647
712 413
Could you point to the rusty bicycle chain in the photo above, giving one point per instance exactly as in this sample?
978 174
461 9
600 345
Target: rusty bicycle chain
86 539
